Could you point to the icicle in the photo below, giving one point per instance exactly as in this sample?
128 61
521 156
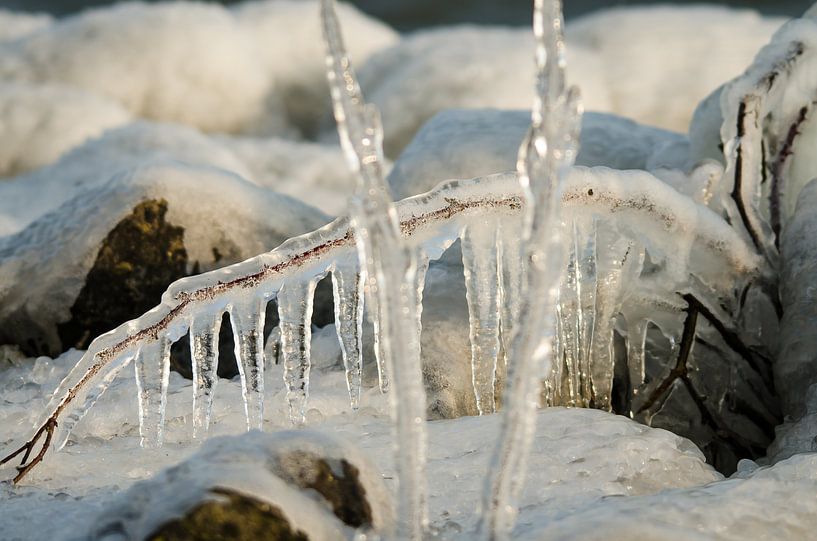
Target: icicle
204 356
392 271
348 283
152 375
479 256
510 274
247 319
544 157
611 258
383 376
295 321
636 342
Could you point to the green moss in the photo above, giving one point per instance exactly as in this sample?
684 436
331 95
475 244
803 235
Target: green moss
233 517
139 258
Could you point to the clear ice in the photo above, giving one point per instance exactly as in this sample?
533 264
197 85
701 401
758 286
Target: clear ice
247 320
546 153
295 322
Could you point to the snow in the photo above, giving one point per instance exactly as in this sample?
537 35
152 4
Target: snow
14 25
612 56
38 123
134 53
470 143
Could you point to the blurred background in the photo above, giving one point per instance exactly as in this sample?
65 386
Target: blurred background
406 15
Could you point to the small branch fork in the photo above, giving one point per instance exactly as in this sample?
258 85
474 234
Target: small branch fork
26 466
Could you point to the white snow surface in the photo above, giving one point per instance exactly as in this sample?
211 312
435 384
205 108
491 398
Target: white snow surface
199 64
14 25
470 143
38 123
590 472
612 57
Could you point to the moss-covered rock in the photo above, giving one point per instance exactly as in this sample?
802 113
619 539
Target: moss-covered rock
233 517
139 258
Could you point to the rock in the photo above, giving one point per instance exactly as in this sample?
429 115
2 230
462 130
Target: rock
231 516
38 123
74 272
795 369
469 143
297 485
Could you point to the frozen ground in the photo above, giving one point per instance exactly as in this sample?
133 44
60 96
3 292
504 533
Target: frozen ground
593 475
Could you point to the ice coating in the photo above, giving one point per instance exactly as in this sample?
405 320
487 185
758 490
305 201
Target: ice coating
546 153
767 115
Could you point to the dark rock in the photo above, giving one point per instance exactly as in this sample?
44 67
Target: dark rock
233 516
136 262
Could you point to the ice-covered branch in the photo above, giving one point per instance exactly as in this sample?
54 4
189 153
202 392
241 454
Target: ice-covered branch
636 203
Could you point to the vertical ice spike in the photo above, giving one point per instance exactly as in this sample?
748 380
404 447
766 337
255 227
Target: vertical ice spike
545 155
636 342
479 258
348 284
611 258
392 272
204 355
152 375
295 302
510 279
247 319
383 375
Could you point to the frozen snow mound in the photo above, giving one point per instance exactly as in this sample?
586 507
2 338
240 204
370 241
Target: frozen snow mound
38 123
470 143
95 162
197 64
317 485
223 217
315 173
287 36
766 503
14 25
612 56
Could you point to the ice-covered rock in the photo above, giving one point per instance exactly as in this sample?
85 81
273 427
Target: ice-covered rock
469 143
160 216
286 485
796 364
197 64
14 24
612 56
38 123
